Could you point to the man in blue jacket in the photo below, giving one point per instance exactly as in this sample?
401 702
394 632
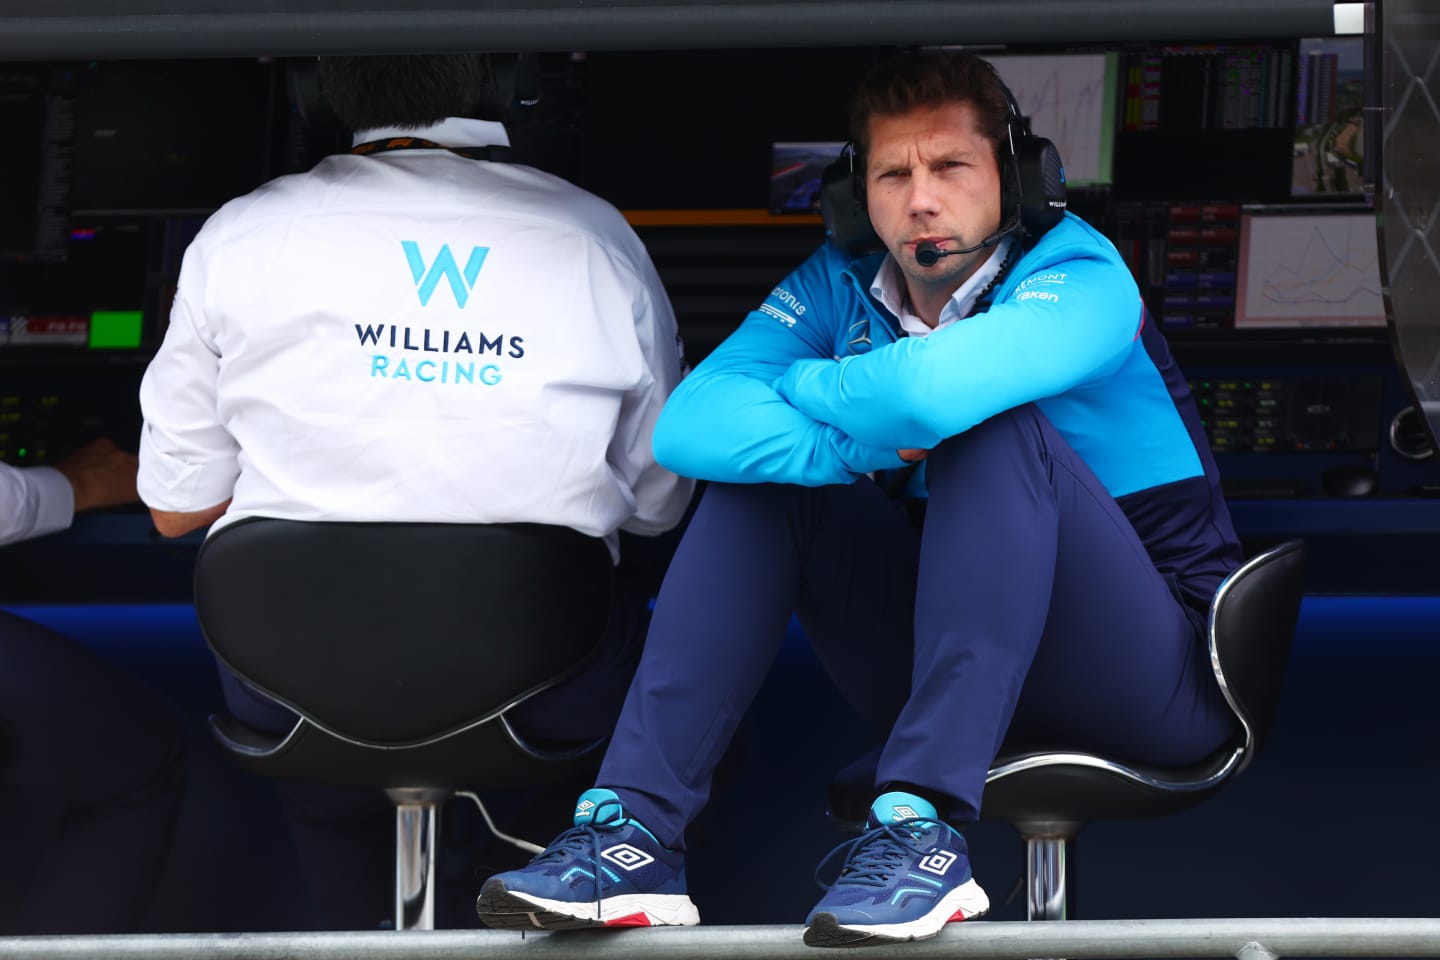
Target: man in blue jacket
1052 584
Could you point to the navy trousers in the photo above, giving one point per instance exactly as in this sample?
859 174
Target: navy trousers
90 791
1023 608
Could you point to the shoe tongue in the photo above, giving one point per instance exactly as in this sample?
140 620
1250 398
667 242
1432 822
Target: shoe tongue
893 807
598 806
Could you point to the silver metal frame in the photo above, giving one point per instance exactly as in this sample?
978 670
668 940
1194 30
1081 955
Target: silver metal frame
497 714
1246 751
1226 769
511 734
84 29
1247 939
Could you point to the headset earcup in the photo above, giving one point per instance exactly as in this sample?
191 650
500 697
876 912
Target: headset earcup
842 207
1042 184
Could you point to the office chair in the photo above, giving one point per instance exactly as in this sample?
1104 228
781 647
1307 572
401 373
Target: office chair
1049 795
402 646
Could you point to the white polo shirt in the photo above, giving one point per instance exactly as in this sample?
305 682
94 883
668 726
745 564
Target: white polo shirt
34 501
414 335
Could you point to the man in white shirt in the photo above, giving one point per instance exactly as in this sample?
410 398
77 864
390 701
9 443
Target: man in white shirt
92 761
419 330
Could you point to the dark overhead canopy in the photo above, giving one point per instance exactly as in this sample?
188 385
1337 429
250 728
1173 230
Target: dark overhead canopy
68 29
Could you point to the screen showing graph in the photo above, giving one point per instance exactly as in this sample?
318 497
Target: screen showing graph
1070 99
1308 269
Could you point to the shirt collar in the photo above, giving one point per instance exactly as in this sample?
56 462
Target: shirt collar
889 288
450 132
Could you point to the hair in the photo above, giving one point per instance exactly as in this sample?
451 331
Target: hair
404 90
932 78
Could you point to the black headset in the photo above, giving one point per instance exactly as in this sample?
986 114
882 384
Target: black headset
1032 192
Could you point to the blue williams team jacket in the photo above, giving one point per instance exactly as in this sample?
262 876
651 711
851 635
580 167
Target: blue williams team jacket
817 386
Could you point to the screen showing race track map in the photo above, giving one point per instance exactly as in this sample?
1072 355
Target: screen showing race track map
1329 121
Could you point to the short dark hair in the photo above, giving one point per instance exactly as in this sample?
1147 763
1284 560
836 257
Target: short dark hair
403 90
932 78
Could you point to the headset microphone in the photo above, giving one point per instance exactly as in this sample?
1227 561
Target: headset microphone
928 253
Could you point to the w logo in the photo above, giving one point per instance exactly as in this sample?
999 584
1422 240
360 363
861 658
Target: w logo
444 267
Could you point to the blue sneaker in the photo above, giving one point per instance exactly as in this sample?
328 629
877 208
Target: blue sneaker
903 879
640 882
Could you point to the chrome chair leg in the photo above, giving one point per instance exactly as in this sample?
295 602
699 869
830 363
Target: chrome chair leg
1045 878
1047 846
416 823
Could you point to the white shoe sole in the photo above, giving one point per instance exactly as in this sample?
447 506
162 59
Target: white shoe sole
506 908
965 902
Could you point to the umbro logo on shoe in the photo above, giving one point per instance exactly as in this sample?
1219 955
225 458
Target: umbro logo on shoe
937 862
626 857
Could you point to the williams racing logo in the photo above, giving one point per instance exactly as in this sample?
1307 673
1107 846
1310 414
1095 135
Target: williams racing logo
444 267
467 357
430 355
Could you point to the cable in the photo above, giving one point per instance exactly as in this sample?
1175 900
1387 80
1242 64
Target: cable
525 845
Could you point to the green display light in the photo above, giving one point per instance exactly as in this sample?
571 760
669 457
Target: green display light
115 329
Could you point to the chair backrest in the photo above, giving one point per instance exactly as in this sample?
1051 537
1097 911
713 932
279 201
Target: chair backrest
393 634
1252 625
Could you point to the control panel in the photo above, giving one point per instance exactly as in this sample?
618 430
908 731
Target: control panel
1300 414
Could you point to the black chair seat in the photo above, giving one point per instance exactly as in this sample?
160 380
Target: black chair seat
1048 795
400 633
1061 786
401 647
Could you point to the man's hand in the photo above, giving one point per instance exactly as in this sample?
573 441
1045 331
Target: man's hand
913 456
101 474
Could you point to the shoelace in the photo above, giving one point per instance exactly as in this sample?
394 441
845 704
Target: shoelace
872 858
575 841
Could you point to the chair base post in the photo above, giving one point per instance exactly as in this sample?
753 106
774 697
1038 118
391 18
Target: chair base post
416 821
1047 848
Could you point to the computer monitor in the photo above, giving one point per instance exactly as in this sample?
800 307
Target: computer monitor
1308 267
1069 98
1205 122
112 167
1329 118
795 169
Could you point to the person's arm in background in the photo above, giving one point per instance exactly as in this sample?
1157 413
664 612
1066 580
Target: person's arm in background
35 501
188 460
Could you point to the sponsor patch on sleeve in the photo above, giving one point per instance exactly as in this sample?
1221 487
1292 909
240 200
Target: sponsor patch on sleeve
1040 287
784 306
